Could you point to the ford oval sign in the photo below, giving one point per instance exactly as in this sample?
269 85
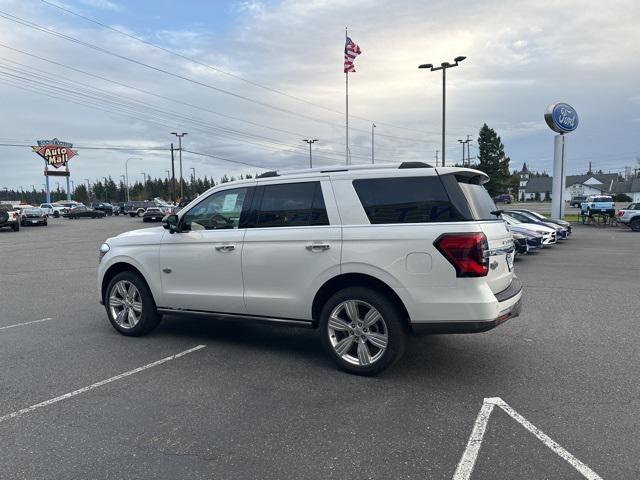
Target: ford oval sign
561 117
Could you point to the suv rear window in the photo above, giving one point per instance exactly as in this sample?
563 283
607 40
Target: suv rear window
405 200
291 205
479 201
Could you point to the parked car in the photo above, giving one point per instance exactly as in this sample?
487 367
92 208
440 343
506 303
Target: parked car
33 216
561 232
562 223
137 208
85 212
520 243
105 207
505 198
533 239
577 201
363 254
598 204
630 216
549 235
54 210
118 208
153 214
9 217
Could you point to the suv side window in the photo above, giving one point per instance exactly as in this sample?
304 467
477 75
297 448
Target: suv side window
291 205
220 210
405 200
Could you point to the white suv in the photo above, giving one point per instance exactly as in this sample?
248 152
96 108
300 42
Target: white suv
365 255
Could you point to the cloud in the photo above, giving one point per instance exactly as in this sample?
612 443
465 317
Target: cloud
521 57
102 5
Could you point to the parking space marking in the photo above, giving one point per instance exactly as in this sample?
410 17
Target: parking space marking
26 323
470 455
51 401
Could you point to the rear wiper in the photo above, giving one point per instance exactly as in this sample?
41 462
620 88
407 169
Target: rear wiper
497 213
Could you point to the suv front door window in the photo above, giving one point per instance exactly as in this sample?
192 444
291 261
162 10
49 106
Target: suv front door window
200 264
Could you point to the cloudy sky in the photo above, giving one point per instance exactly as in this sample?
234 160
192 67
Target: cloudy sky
253 78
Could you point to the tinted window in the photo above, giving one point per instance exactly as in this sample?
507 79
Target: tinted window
479 200
218 211
292 205
405 200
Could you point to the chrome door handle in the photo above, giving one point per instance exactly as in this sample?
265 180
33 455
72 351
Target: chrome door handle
316 247
225 248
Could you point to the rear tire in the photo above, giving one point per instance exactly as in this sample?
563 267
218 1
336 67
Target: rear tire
362 331
127 292
635 224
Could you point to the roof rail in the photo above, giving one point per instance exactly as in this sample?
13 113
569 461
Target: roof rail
272 173
415 165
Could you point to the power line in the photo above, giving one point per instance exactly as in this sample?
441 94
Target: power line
50 31
218 69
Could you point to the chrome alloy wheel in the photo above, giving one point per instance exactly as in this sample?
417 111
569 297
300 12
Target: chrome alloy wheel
125 304
357 332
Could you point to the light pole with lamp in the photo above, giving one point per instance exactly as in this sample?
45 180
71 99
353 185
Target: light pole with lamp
310 141
443 66
180 135
126 173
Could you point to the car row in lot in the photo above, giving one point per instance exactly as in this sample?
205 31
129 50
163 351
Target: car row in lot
532 231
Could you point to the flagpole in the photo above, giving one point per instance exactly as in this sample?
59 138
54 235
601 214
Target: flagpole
346 80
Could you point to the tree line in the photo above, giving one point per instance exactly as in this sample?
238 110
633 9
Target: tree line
112 192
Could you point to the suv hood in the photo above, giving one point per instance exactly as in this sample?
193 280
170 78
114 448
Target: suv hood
144 236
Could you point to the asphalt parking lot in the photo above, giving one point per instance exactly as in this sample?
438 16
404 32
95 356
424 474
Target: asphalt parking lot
265 403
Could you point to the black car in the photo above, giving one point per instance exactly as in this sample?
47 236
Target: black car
153 214
107 208
81 211
33 216
118 208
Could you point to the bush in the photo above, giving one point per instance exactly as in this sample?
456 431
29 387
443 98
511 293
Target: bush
622 197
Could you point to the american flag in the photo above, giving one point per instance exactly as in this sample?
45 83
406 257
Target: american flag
351 51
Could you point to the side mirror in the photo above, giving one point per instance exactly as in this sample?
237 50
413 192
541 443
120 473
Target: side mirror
171 222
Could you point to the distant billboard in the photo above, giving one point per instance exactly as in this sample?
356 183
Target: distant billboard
55 153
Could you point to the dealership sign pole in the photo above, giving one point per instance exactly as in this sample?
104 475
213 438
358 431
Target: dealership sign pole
561 118
56 154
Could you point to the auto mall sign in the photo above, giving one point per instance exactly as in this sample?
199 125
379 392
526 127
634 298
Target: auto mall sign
55 152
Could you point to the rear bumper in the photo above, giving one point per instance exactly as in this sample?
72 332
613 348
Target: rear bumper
510 304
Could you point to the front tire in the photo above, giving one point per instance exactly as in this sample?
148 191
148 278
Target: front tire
362 331
140 213
56 214
635 224
130 305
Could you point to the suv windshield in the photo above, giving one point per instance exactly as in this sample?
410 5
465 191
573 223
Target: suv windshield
480 202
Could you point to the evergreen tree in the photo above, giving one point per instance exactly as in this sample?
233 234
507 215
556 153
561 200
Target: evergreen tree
493 161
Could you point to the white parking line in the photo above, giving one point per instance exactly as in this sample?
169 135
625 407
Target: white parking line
26 323
51 401
468 460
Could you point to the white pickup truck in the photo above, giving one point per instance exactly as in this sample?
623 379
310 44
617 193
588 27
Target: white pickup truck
54 210
630 216
9 217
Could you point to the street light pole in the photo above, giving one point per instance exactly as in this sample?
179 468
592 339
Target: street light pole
373 158
462 142
180 135
194 174
310 141
443 66
126 173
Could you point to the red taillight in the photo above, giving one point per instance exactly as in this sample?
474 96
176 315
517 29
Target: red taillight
466 252
620 213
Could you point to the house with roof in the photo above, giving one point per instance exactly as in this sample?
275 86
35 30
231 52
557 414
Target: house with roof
539 188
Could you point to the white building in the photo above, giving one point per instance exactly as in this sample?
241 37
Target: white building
539 188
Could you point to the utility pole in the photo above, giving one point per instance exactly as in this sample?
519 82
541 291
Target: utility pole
180 135
193 179
173 177
126 171
310 141
437 157
443 66
462 142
